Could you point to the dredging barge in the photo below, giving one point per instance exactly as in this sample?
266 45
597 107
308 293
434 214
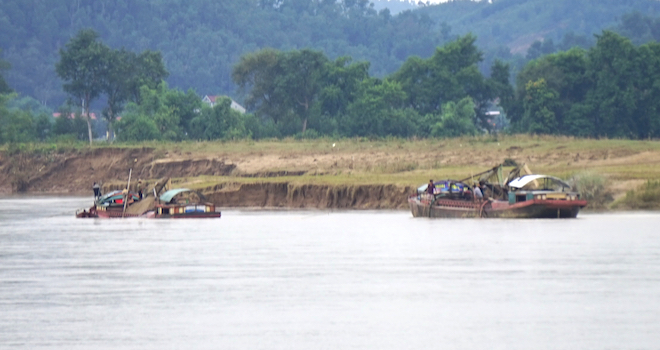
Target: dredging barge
517 196
179 203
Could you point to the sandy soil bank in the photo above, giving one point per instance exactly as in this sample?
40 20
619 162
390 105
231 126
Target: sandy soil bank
321 173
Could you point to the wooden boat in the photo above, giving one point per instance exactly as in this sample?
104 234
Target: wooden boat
527 196
180 203
110 205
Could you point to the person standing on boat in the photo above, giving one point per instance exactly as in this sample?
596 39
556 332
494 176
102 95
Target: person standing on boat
97 190
139 189
430 188
478 195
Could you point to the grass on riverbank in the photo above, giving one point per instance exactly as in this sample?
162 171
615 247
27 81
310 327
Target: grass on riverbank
646 197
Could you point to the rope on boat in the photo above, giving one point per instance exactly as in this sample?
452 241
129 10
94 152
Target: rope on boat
482 213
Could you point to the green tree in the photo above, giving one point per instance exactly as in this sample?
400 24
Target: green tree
379 111
564 73
82 66
43 127
219 122
500 85
116 80
15 125
457 119
647 116
126 73
4 66
148 70
154 105
540 104
256 74
449 75
75 128
284 86
136 127
340 86
169 110
614 71
301 80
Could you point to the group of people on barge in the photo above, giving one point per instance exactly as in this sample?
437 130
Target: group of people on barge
453 190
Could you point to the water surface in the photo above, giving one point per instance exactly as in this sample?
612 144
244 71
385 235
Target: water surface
325 280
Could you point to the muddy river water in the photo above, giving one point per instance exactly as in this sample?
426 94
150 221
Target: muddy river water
325 280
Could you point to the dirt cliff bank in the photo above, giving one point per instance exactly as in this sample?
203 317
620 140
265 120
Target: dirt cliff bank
74 172
287 195
350 173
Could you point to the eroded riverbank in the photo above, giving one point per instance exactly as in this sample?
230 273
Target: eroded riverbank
326 174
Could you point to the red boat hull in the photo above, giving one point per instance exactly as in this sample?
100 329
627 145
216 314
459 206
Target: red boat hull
448 208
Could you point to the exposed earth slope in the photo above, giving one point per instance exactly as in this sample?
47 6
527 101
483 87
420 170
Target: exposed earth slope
352 174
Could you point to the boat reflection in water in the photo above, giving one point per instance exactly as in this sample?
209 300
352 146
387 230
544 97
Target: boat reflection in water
517 196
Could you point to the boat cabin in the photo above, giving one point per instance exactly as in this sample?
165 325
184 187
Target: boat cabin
183 202
540 187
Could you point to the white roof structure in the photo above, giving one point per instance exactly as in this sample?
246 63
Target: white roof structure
524 180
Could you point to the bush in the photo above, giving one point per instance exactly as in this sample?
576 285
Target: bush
645 197
593 188
308 134
137 128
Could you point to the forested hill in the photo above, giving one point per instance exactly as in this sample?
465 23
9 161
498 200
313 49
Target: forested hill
515 24
202 39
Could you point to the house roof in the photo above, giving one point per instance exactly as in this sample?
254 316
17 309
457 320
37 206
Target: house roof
211 98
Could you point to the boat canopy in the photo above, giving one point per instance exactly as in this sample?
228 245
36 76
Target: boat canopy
115 196
539 182
167 196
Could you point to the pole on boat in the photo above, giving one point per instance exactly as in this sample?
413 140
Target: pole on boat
128 191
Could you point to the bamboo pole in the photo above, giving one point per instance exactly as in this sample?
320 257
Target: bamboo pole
128 191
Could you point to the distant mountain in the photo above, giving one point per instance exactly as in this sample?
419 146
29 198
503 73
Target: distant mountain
516 24
201 40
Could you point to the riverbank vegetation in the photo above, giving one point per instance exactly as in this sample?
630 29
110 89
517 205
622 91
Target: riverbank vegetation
645 197
305 95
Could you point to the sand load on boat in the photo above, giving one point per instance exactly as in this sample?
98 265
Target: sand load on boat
141 207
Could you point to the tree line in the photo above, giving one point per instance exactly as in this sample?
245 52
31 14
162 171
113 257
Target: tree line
607 90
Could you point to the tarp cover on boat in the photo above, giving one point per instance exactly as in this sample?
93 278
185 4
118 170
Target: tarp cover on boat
167 196
116 197
539 181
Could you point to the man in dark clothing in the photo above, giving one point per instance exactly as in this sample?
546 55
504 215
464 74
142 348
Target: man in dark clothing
97 190
430 189
139 188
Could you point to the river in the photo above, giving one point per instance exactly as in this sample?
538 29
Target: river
325 280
